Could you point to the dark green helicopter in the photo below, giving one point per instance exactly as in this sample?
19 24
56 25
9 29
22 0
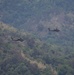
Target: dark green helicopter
54 30
19 39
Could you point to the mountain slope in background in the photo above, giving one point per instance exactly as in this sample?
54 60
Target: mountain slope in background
36 16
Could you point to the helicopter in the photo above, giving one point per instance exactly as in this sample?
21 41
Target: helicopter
54 30
19 39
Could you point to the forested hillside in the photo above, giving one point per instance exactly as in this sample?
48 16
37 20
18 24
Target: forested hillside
32 56
29 42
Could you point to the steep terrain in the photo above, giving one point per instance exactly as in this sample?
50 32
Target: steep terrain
42 52
15 56
32 56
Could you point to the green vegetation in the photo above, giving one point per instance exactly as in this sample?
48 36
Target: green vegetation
32 56
42 52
